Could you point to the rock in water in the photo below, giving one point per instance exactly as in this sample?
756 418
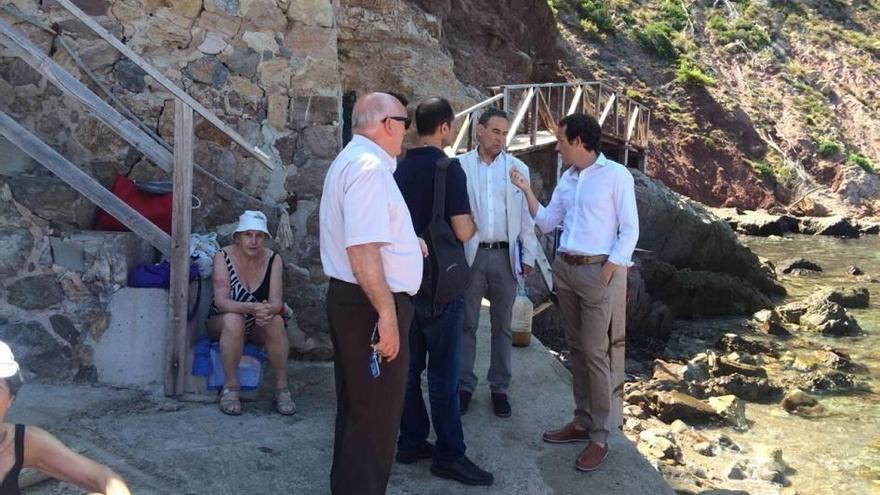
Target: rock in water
789 265
731 408
799 402
670 406
829 318
853 297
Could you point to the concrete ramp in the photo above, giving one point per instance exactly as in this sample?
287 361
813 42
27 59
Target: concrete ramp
162 446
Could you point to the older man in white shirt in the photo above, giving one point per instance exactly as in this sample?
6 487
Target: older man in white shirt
503 226
374 260
595 203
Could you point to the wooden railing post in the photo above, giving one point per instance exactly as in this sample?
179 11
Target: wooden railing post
181 227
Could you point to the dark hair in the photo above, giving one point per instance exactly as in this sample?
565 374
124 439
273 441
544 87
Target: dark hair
578 125
402 99
493 112
431 114
14 383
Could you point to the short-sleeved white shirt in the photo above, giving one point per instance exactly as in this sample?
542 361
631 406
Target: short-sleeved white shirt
361 204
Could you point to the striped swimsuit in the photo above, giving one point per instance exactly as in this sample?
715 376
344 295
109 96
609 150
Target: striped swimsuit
239 293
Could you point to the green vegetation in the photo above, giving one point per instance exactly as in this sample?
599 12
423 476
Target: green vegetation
829 148
763 169
752 36
656 38
860 161
690 74
673 13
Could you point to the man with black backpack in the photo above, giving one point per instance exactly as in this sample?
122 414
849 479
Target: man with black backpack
435 190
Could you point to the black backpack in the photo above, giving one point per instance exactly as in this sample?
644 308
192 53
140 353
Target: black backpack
447 273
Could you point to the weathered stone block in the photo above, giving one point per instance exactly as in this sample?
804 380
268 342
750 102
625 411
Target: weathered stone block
207 70
311 41
318 76
35 292
64 328
311 12
52 199
36 350
15 247
231 7
262 15
322 141
307 110
219 22
18 73
243 62
15 161
212 44
130 76
277 110
260 41
275 73
99 56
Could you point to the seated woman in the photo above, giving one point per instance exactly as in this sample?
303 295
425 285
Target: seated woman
31 447
247 307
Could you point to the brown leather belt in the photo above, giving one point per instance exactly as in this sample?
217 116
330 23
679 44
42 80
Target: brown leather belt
575 259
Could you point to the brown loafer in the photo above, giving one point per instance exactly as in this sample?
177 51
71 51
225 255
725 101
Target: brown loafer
567 434
591 457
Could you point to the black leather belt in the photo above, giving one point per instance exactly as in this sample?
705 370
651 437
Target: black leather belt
494 245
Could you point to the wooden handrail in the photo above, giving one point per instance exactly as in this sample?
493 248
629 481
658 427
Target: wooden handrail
520 114
31 54
257 153
83 183
632 123
461 134
607 109
574 101
479 105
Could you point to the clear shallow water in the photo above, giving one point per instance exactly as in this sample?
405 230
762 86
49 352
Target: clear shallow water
839 453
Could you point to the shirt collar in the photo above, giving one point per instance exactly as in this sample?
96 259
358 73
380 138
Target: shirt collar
390 161
480 160
600 162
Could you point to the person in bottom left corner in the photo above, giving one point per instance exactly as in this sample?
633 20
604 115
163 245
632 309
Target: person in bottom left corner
31 447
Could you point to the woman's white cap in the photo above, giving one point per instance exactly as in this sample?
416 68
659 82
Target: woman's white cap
252 220
8 365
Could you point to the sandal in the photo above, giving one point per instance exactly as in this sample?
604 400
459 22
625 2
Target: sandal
230 403
284 402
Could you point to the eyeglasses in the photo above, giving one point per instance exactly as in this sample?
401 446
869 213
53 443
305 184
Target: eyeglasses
406 121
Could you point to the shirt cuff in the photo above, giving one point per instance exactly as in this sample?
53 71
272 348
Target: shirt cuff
618 260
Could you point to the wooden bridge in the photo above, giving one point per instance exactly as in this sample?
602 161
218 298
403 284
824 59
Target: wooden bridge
536 108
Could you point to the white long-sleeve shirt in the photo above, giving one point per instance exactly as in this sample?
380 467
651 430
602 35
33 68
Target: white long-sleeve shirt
597 210
492 187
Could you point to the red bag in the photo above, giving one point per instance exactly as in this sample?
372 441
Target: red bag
155 207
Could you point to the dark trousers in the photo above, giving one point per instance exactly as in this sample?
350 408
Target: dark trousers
440 339
367 409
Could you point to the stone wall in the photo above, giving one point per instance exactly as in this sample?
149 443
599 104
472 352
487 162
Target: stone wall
268 68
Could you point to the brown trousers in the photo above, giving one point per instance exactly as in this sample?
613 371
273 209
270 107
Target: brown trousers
586 304
368 409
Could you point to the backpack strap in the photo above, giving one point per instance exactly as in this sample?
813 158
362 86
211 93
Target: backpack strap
440 170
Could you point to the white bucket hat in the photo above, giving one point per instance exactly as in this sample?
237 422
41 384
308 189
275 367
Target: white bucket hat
8 365
252 220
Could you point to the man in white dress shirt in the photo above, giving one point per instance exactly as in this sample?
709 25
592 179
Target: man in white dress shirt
595 204
374 260
503 221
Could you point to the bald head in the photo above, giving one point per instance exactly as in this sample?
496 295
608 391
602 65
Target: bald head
370 110
379 118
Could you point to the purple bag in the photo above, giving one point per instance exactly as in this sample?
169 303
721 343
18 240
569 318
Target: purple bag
158 276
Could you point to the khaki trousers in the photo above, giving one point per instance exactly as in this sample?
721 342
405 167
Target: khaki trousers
585 303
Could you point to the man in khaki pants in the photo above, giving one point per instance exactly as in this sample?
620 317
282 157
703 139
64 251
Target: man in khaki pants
595 203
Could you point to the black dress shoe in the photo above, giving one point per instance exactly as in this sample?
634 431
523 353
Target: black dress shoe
464 401
500 405
426 451
463 471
